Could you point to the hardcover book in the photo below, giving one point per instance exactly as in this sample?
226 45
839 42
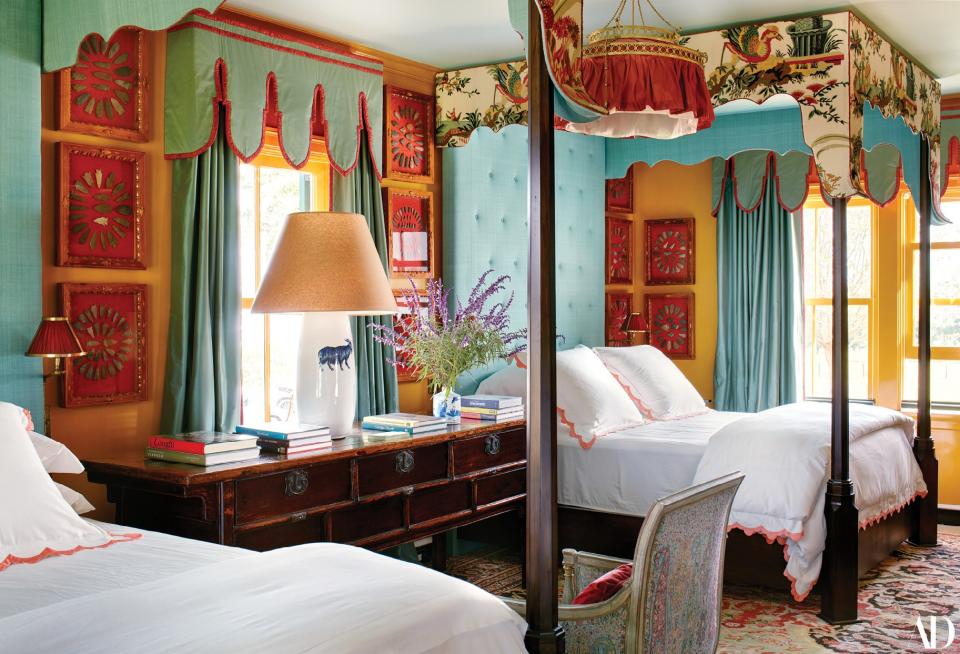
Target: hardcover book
404 420
202 442
282 430
490 401
203 459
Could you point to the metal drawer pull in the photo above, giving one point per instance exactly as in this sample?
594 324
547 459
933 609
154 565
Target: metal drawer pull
298 517
405 461
295 482
491 444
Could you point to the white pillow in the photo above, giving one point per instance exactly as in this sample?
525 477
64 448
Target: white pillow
76 500
35 520
55 456
506 381
590 402
654 383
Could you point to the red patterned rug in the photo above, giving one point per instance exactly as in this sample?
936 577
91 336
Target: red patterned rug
914 582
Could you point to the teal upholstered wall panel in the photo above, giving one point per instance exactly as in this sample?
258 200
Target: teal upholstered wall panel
485 226
20 264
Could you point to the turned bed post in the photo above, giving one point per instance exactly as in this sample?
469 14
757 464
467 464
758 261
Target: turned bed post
838 575
544 634
925 522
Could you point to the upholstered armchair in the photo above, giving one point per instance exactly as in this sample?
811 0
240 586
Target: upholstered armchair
671 603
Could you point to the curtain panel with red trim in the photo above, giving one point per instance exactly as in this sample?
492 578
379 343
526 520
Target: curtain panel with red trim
252 73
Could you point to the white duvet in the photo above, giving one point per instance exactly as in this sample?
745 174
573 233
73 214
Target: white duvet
312 598
784 453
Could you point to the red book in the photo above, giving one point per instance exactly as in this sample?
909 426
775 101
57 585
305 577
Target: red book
202 442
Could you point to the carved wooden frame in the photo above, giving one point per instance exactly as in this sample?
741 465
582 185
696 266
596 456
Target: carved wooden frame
390 95
391 195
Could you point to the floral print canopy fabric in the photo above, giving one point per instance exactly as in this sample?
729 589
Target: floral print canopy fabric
212 60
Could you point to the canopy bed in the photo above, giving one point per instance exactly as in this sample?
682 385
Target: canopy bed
867 114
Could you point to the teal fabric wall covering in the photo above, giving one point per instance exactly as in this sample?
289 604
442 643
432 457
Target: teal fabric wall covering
67 22
201 388
758 295
485 226
359 192
20 261
776 130
202 48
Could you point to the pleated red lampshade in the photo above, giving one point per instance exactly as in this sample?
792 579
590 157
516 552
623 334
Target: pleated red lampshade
635 324
55 338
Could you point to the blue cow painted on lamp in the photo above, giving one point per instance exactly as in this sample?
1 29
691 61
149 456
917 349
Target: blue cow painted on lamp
335 355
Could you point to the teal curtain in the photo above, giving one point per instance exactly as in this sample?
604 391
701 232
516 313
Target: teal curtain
758 290
202 385
359 192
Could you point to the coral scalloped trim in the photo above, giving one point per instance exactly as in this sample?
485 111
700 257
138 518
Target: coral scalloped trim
643 408
585 444
770 536
889 512
49 553
518 361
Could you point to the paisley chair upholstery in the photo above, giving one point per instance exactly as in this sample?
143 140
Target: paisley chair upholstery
671 604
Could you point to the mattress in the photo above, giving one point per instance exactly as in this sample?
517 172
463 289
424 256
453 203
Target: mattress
162 593
627 471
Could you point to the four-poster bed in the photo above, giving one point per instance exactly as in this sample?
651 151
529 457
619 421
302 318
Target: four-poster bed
835 135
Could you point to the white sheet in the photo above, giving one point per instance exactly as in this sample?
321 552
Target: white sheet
166 594
627 471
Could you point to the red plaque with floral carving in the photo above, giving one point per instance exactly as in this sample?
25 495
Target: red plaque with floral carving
409 134
670 251
670 316
100 219
103 93
620 193
401 323
410 227
110 321
619 251
619 306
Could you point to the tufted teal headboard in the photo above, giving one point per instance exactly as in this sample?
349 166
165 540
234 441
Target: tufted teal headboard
485 226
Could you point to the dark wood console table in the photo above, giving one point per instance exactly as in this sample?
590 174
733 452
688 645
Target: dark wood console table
376 495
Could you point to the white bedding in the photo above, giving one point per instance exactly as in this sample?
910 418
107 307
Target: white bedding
784 455
167 594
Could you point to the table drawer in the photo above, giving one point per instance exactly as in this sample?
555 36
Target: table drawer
308 529
440 501
401 468
500 487
489 451
291 491
365 520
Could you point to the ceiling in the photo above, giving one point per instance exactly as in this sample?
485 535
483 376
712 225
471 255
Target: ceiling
455 33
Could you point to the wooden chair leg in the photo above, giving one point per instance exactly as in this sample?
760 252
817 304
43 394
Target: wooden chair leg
438 558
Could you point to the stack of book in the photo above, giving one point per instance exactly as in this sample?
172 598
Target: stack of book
409 423
286 438
492 408
202 448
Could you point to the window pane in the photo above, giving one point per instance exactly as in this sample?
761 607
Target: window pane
251 366
809 261
859 251
819 344
942 233
279 196
944 285
944 381
246 202
824 254
284 341
818 252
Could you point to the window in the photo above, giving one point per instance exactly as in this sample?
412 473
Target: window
269 189
817 220
944 305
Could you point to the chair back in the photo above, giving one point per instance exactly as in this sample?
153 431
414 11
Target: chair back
677 585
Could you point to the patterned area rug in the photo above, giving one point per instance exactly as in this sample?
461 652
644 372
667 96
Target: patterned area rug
913 582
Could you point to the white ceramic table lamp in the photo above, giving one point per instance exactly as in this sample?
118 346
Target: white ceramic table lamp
326 267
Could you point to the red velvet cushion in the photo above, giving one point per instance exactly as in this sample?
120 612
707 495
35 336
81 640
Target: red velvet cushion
606 586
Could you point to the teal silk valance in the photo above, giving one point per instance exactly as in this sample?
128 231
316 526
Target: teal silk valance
67 22
213 60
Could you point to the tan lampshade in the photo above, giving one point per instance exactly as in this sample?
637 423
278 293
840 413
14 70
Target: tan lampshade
325 262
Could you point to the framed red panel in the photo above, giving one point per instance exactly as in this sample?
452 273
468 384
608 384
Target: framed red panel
410 230
409 128
670 251
619 306
401 322
619 251
671 320
100 218
104 92
620 193
110 321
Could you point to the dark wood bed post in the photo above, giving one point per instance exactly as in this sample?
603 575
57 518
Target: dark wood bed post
925 523
544 633
838 575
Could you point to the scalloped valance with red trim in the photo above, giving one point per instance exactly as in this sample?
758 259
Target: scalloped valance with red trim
950 139
66 23
309 86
